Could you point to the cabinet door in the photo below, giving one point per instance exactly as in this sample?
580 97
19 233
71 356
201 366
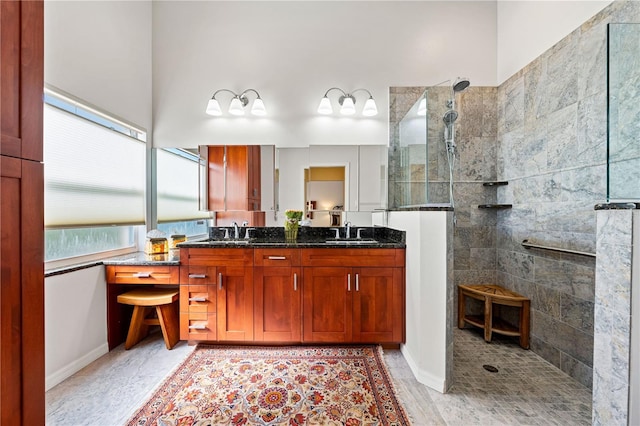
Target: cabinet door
216 178
278 304
327 298
237 177
21 292
235 303
377 305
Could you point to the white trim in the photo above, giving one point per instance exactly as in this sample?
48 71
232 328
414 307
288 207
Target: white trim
424 377
75 366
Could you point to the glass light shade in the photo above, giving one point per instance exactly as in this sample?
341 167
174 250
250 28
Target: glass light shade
213 107
258 107
370 108
422 107
325 106
348 107
236 107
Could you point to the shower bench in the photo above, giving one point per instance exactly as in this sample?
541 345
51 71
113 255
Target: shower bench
492 295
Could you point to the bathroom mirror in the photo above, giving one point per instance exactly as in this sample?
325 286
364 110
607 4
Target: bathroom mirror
333 184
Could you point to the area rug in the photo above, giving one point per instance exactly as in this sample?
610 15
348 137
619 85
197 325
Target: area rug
276 386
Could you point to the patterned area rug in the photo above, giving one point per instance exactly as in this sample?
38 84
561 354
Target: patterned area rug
276 386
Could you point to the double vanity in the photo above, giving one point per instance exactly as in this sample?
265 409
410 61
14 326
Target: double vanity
319 289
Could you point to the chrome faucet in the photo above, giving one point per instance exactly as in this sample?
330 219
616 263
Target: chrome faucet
236 233
347 230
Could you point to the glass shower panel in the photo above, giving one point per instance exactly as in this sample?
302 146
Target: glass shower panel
623 159
408 148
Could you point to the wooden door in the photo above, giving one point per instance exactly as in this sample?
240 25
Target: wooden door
235 303
327 298
21 214
237 177
377 305
216 178
278 304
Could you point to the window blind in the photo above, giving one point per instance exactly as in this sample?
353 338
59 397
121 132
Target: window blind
93 175
177 187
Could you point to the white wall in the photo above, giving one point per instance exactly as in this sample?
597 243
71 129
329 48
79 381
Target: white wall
426 293
100 51
75 317
292 52
526 29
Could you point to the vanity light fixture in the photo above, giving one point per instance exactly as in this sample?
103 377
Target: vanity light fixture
238 103
348 103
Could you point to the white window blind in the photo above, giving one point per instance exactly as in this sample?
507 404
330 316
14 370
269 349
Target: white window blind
93 175
177 187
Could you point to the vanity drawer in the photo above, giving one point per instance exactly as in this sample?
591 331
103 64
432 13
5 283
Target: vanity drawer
198 326
276 257
198 275
125 274
374 257
197 298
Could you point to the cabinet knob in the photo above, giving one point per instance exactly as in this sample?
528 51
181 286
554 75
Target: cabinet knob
348 282
220 280
295 282
197 327
277 257
198 276
197 299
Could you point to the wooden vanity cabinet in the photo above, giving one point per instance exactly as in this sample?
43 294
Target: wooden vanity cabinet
226 313
353 295
278 295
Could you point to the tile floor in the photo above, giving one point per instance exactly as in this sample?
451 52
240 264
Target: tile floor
525 391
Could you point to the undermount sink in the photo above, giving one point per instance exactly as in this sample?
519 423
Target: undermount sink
352 242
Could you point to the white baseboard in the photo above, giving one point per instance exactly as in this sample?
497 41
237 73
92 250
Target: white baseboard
427 379
76 365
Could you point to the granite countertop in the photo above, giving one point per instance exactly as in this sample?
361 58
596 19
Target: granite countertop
265 237
139 258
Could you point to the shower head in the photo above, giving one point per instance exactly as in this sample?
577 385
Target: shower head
450 116
460 84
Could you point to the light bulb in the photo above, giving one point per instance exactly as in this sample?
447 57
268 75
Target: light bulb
213 107
348 106
370 108
325 106
258 107
236 107
422 107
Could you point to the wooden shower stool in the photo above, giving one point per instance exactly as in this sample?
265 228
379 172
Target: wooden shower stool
494 294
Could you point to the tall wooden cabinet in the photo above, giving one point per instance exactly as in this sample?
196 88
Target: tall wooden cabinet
21 215
234 177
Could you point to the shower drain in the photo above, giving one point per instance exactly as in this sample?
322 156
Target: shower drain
490 368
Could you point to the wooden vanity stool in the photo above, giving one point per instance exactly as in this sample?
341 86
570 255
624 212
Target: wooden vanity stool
493 294
166 309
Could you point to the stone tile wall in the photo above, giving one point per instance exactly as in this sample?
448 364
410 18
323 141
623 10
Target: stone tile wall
552 123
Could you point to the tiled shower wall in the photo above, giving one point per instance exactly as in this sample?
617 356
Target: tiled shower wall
552 123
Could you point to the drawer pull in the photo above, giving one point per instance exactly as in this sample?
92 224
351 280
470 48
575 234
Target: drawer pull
220 280
198 327
348 282
199 276
277 257
142 275
295 282
197 299
357 282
